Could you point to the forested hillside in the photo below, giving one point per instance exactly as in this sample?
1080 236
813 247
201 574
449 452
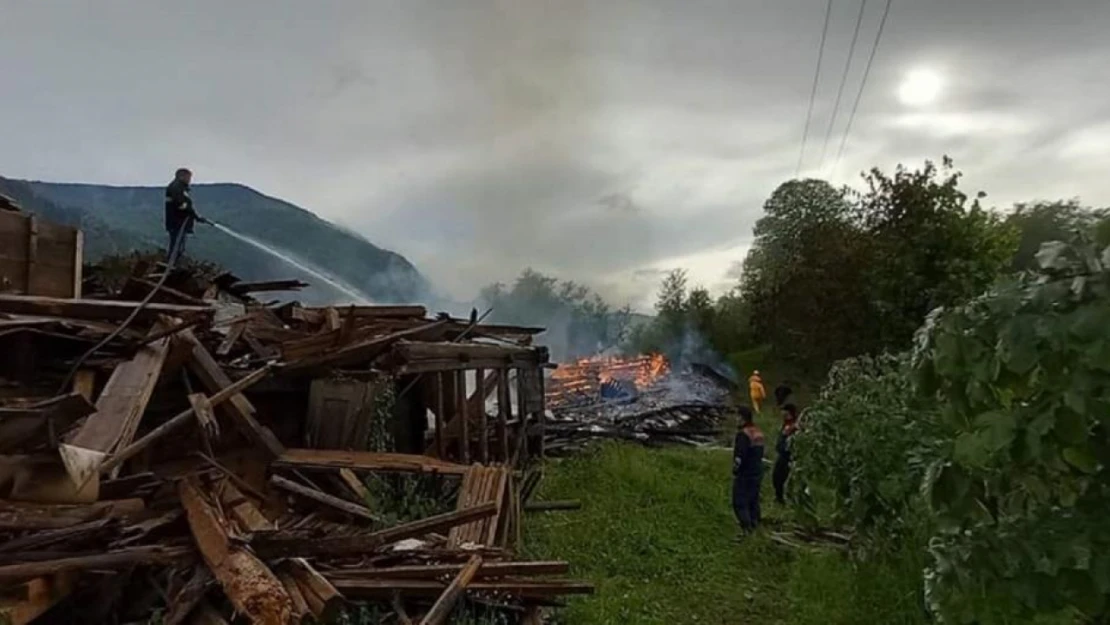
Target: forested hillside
121 219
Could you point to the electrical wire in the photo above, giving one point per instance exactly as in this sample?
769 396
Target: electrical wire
843 80
862 86
813 89
170 262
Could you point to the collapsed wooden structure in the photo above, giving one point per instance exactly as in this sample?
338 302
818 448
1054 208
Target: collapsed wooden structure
225 456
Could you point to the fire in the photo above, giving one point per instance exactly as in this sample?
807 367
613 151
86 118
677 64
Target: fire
583 379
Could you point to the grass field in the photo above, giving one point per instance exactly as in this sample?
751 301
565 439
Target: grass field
657 536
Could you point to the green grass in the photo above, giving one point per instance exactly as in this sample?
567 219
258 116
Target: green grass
657 536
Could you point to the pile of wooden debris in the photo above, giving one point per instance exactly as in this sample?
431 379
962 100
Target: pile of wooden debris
224 459
641 399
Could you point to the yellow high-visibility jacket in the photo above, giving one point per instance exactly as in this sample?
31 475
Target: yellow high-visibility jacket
755 388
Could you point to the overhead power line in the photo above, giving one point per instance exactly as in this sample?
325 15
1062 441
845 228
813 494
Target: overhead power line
813 90
843 80
862 85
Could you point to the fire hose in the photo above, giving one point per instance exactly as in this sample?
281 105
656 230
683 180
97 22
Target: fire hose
171 261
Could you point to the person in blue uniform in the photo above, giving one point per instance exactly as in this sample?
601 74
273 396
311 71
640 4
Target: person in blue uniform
747 471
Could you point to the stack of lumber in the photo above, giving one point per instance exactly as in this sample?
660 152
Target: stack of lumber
156 478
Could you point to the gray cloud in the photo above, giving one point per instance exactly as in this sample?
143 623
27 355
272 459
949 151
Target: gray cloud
602 141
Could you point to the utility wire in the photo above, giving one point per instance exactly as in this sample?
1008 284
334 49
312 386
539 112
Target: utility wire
862 85
813 90
843 80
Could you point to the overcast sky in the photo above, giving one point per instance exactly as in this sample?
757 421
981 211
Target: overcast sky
604 141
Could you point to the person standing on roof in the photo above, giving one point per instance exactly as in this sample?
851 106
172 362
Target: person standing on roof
756 390
180 214
747 471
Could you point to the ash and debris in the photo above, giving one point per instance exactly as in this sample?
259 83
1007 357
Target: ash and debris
682 407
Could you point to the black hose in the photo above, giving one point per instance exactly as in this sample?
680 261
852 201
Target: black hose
171 260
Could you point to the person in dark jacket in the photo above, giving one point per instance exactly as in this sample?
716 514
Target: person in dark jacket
180 214
747 471
781 471
783 393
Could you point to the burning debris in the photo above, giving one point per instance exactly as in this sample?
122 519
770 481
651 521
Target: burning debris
640 398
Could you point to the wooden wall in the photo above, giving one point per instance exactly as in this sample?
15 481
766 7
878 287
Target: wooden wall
38 257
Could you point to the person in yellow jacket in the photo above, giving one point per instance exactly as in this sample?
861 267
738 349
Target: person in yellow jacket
756 390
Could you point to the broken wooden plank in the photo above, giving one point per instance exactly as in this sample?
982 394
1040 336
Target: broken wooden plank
206 419
94 309
28 516
239 409
42 593
44 538
363 351
118 410
248 583
120 558
461 416
282 546
323 600
225 394
189 596
441 609
355 484
439 571
366 461
383 588
353 509
242 288
234 333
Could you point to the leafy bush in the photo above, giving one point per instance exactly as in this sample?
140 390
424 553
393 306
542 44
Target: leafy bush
864 448
1021 493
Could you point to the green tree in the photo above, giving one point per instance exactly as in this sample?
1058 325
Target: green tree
802 278
928 246
1038 223
1022 492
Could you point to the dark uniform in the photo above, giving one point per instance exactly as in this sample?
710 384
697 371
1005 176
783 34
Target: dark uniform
179 218
781 471
747 474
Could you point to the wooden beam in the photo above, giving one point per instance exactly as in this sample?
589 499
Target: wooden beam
362 351
441 609
483 427
366 461
441 419
377 588
120 558
29 516
504 408
353 509
277 546
119 409
248 583
206 418
439 571
239 409
355 484
413 351
94 309
226 394
461 416
323 600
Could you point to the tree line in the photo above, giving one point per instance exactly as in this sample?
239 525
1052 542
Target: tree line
834 272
